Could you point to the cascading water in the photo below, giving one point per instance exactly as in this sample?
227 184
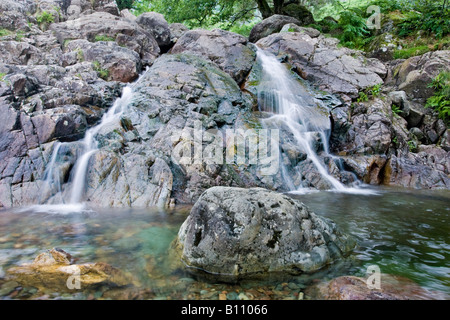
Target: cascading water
91 144
292 107
72 199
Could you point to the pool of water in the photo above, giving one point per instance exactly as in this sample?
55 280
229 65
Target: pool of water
404 232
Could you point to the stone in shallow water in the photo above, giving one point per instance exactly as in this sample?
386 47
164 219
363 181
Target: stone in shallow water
355 288
53 270
234 233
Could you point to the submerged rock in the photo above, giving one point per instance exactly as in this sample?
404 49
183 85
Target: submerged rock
54 270
234 233
356 288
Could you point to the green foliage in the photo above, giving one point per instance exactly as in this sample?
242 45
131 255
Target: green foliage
395 141
44 17
440 101
354 28
19 36
395 109
80 55
412 145
371 92
102 73
199 13
410 52
374 91
2 76
124 4
432 17
362 97
101 37
4 32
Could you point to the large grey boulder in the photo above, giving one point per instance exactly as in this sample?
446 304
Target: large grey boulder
155 24
121 63
415 74
336 70
271 25
234 233
228 50
125 32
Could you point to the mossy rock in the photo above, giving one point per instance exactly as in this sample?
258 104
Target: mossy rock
299 12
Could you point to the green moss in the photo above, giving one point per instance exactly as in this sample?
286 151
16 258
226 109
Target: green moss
102 73
102 37
80 55
5 32
410 52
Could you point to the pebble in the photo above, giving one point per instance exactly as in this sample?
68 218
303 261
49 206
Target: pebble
242 296
222 296
300 296
232 296
293 286
8 287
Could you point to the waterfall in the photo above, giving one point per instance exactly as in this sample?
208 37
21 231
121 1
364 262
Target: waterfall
52 175
291 106
90 144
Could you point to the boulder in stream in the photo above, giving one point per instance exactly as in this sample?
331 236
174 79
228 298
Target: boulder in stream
234 233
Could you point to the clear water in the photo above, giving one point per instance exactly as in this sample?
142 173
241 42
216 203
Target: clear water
405 232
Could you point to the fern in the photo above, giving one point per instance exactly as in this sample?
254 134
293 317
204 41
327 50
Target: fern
440 101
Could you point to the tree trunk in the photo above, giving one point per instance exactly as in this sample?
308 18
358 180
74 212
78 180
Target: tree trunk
278 6
264 8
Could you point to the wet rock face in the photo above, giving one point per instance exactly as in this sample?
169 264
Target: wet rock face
336 70
235 233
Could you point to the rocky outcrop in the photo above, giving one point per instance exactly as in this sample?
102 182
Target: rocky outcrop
337 70
54 270
226 49
155 24
253 232
125 32
415 74
119 64
270 25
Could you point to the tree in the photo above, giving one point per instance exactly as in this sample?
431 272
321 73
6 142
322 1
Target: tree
124 4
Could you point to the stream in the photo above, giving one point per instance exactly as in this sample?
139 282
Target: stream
404 232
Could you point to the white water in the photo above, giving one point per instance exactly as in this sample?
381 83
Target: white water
78 176
293 107
91 144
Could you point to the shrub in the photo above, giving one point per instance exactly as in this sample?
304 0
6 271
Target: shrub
124 4
440 101
44 17
102 73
